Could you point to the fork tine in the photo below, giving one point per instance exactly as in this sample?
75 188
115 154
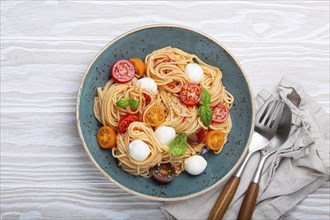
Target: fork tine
273 114
268 111
263 108
275 118
277 110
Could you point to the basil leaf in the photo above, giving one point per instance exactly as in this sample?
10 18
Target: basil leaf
123 103
206 115
134 104
179 145
205 98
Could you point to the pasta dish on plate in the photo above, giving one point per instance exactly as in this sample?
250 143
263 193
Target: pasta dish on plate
160 113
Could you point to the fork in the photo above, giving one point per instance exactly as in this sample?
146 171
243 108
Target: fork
267 121
251 195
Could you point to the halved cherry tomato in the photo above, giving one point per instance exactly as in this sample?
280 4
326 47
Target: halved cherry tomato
106 137
220 113
164 173
139 66
122 71
125 121
155 116
214 139
147 98
197 137
190 94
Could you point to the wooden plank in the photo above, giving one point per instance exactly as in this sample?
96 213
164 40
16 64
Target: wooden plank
75 201
226 20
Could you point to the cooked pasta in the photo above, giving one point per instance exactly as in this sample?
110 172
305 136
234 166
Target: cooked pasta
159 153
167 68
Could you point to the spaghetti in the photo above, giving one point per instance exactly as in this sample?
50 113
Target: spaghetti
166 67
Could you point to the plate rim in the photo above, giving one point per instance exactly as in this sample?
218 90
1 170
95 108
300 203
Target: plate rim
231 171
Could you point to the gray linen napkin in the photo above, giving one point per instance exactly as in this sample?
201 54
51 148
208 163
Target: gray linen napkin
299 167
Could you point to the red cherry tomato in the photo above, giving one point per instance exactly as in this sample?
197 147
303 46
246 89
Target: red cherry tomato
164 173
220 113
125 121
122 71
197 137
147 98
190 94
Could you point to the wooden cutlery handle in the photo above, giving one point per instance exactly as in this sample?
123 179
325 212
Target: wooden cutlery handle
227 194
249 202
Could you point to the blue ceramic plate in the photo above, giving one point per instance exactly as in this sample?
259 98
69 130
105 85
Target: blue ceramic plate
139 43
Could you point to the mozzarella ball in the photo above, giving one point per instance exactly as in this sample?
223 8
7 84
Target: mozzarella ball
165 135
147 84
195 165
138 150
195 72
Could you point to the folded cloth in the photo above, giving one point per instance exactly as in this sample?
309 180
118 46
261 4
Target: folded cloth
299 167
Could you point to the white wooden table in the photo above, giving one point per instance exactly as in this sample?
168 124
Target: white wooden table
46 46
